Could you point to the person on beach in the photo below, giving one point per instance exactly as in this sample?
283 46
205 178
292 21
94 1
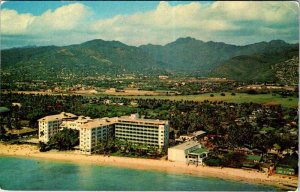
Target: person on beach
270 171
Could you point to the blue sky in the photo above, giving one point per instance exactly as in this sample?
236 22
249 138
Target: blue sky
136 23
104 9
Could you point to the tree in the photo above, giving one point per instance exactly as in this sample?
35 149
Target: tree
43 147
213 161
100 147
2 129
64 140
233 159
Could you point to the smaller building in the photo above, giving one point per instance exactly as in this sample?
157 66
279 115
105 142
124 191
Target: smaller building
17 104
163 77
193 136
252 161
183 138
199 134
285 170
197 156
188 152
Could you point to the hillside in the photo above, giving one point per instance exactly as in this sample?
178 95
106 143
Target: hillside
256 67
287 72
92 58
198 57
185 55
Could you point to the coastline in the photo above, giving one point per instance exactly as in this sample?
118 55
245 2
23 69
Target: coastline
241 175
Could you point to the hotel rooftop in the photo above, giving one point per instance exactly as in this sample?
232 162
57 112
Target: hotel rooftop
135 118
99 122
186 145
62 115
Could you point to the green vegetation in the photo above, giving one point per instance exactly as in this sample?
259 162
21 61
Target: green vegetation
211 54
111 58
63 140
258 67
118 147
237 125
231 159
102 110
267 99
287 72
213 161
92 58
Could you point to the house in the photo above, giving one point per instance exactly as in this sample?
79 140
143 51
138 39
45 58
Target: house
285 170
188 152
163 77
193 136
183 138
199 134
288 165
252 161
17 104
197 156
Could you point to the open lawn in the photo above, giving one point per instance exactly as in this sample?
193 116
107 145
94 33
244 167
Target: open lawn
267 99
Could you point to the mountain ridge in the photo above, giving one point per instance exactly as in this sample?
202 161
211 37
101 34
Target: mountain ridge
95 57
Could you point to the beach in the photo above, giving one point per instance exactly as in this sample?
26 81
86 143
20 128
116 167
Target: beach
249 176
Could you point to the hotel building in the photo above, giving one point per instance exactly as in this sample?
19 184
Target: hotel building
95 131
152 132
50 125
143 131
74 123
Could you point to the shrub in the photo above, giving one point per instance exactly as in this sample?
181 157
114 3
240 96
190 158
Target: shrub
222 94
213 161
43 147
252 92
234 160
211 95
64 140
233 94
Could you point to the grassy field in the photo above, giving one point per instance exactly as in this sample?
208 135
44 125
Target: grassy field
267 99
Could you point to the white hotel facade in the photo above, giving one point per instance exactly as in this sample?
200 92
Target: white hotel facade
50 125
131 128
143 131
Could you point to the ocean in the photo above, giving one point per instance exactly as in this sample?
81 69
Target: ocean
35 174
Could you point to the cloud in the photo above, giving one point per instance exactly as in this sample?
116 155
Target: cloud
14 23
229 22
65 18
203 21
269 12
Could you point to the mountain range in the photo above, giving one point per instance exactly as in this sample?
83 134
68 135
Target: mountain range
183 56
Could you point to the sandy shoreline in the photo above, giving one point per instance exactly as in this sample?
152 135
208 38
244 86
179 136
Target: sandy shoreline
248 176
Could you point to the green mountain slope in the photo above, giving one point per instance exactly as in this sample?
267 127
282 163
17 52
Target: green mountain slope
257 67
185 55
192 55
92 58
287 72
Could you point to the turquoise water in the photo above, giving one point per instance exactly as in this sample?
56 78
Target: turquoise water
32 174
